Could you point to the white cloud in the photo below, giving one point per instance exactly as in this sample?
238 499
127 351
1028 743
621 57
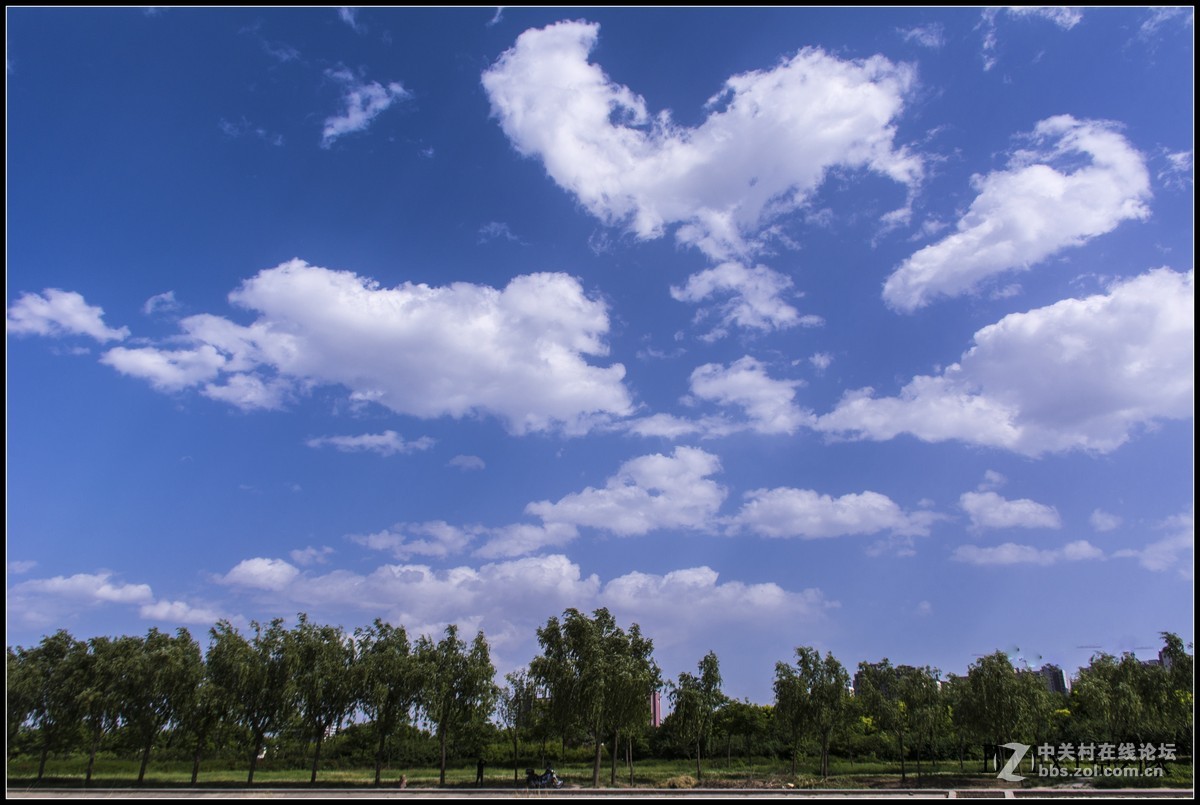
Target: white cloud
989 510
167 370
1179 171
1104 521
821 360
17 568
261 574
466 463
388 443
1078 374
58 313
176 612
518 353
1176 17
160 303
931 36
804 513
52 602
924 609
769 404
311 556
647 493
364 101
693 599
497 230
349 15
755 301
525 538
1042 203
405 540
1178 548
1012 554
1064 17
766 145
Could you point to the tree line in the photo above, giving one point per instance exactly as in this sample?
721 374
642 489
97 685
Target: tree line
589 688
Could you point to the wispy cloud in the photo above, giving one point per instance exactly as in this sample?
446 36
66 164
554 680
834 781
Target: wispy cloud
363 102
388 443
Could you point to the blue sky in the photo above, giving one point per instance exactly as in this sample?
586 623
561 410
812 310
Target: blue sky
865 329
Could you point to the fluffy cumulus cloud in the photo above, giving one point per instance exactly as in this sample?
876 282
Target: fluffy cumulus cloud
57 313
1078 374
261 574
436 538
990 510
1012 554
804 513
754 299
362 100
767 143
647 493
388 443
769 404
1080 179
509 599
519 353
47 602
175 612
694 597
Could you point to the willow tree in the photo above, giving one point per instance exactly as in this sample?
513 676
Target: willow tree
257 677
599 677
457 690
695 700
388 679
812 699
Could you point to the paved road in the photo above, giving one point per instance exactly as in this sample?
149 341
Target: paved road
588 793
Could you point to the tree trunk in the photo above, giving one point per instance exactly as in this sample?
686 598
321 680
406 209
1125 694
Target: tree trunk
516 749
42 762
698 773
903 773
195 766
316 758
145 760
442 753
379 757
596 761
629 758
258 742
87 778
612 776
794 753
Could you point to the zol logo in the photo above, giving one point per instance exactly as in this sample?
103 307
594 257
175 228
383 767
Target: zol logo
1018 754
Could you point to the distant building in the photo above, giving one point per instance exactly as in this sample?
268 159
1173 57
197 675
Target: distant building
655 709
1053 678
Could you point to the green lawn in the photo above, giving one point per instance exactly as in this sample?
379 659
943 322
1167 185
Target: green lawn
118 773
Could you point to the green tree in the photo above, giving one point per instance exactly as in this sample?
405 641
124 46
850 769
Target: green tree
53 707
695 700
515 707
999 711
597 676
100 694
323 663
389 682
811 698
156 675
256 675
458 692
